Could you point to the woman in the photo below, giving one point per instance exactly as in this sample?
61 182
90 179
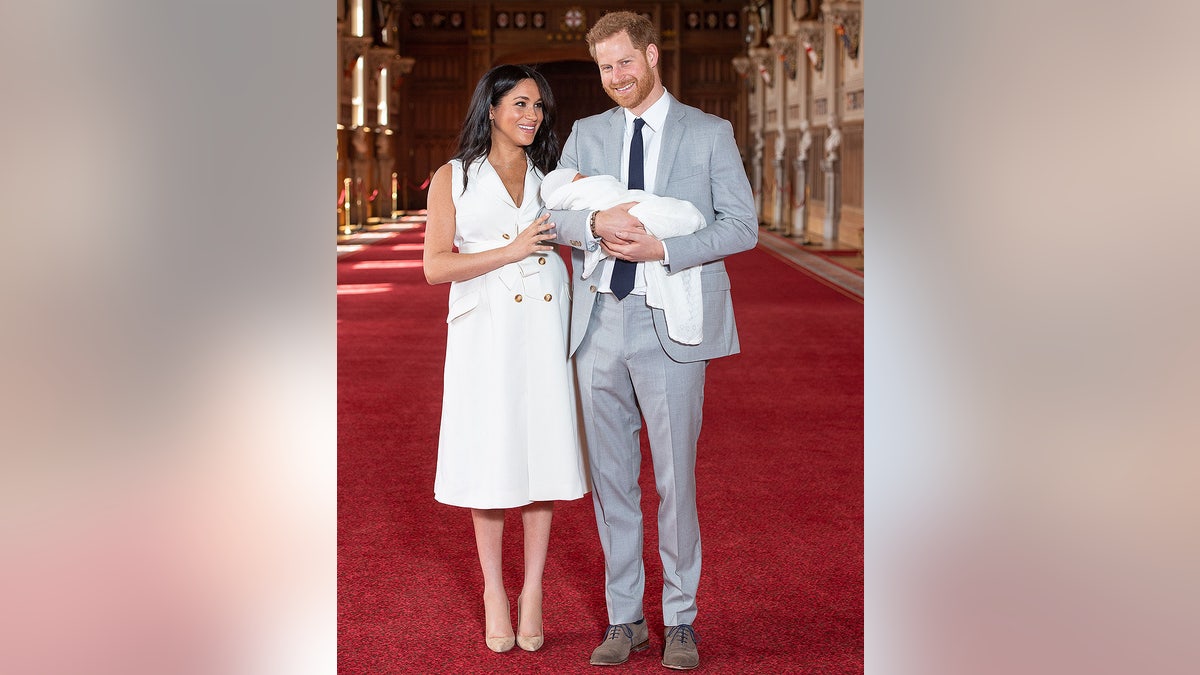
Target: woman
509 435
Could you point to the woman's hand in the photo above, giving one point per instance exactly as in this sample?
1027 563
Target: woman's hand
533 239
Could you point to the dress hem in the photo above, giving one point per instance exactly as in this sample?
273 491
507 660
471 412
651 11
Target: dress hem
508 505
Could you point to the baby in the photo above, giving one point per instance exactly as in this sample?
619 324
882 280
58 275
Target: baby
678 295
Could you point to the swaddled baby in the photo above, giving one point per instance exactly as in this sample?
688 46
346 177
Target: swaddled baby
678 294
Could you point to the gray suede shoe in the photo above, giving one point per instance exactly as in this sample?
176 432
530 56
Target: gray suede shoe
680 652
619 640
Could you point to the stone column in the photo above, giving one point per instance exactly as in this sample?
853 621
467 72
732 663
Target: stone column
756 171
846 22
762 64
780 180
833 76
800 214
783 54
757 114
833 183
811 35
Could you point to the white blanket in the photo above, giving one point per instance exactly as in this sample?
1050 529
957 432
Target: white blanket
678 295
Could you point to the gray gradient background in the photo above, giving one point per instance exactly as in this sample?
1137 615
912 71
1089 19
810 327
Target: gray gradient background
167 471
168 344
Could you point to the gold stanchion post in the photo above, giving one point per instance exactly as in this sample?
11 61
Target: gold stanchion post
394 185
358 181
346 206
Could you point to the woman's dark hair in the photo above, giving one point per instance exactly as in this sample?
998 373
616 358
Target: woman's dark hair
475 138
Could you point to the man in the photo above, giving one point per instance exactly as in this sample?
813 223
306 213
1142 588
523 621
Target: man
627 365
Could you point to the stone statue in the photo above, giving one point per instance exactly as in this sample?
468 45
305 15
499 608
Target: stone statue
832 141
805 139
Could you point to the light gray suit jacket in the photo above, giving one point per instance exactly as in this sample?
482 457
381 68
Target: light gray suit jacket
698 162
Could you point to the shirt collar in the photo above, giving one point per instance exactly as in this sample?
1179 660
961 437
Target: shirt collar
655 116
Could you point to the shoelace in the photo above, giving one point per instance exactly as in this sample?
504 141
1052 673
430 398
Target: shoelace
682 633
615 630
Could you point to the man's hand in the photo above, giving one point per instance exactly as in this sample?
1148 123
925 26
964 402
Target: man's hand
616 219
634 246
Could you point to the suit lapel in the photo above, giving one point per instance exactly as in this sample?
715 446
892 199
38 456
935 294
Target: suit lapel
672 136
614 142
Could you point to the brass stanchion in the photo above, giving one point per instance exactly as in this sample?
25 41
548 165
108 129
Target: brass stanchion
394 185
346 206
358 202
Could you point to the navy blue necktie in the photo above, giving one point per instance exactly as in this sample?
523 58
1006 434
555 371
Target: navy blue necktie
623 270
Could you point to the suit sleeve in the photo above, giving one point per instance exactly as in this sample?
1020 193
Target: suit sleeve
735 225
571 227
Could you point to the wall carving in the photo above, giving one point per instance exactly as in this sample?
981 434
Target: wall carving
437 20
846 27
786 52
696 20
812 40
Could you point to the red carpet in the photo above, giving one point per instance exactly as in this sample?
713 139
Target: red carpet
780 478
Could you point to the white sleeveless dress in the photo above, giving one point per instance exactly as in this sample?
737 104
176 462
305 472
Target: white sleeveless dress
510 432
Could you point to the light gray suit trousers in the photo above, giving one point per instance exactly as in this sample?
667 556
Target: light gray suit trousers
629 368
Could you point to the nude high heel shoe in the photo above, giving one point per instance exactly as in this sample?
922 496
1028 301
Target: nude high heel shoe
500 644
531 643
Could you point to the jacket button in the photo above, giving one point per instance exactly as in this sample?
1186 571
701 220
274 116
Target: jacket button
541 261
592 289
518 298
549 297
505 236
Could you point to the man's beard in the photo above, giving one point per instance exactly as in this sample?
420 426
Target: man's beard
633 98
